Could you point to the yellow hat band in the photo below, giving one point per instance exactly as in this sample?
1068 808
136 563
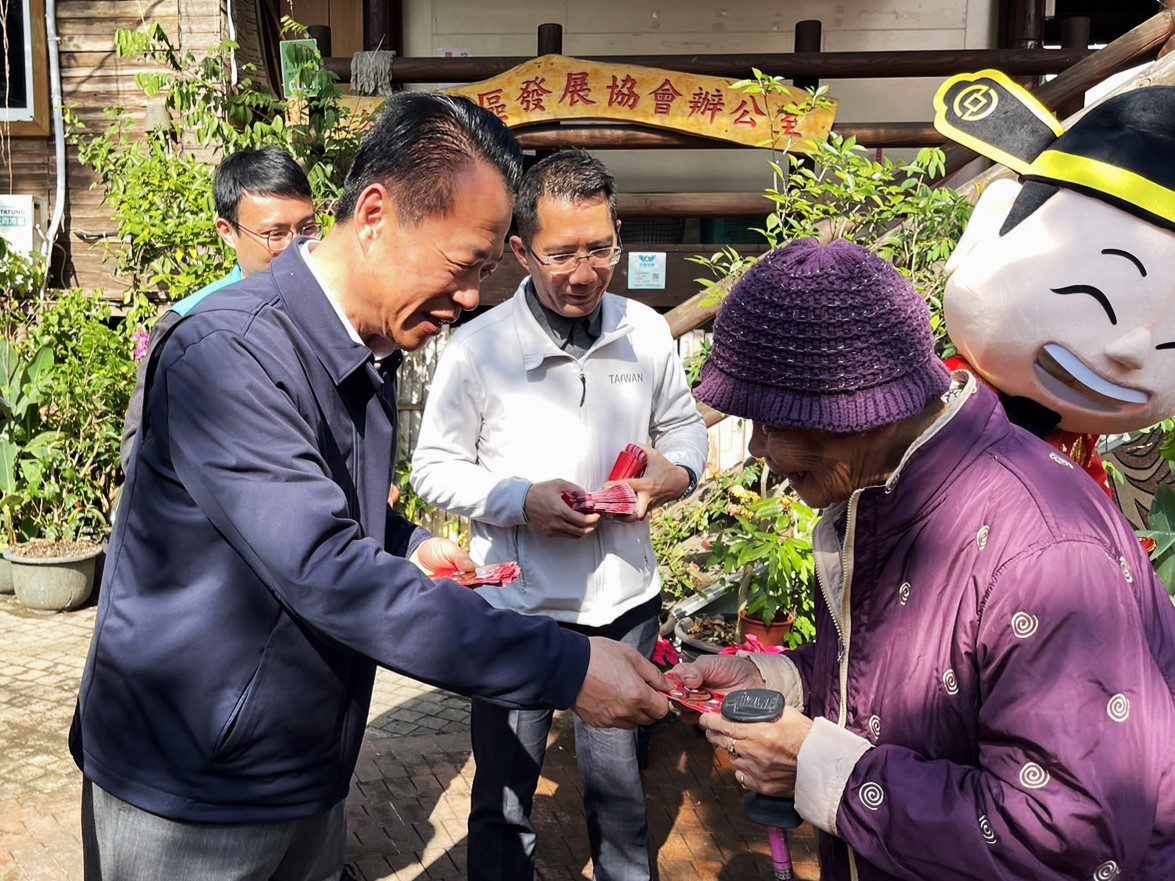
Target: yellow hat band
1102 177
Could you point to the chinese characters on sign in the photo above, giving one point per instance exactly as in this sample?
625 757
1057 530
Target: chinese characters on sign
555 88
577 89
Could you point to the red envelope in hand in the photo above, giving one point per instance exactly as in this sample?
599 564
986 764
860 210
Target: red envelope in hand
631 463
700 700
611 503
491 575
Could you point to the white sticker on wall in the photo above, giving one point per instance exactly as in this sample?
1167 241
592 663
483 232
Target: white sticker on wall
646 270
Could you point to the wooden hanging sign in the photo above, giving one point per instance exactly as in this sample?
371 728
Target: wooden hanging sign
554 88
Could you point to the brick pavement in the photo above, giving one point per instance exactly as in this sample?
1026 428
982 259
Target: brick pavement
410 793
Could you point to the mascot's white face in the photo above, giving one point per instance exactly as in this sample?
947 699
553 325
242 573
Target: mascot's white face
1073 308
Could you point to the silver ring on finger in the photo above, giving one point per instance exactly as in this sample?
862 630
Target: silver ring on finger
741 779
730 748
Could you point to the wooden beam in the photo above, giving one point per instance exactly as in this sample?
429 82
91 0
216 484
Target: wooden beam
750 205
556 136
822 65
1169 46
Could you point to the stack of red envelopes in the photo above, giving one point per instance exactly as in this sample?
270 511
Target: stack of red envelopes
611 503
490 575
631 463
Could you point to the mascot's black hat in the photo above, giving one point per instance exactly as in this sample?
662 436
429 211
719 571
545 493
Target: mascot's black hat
1122 151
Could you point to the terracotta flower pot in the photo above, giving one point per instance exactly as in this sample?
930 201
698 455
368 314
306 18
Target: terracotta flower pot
53 583
773 634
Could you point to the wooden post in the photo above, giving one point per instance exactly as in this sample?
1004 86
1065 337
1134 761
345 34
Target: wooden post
1022 27
320 34
378 25
550 39
1074 34
807 40
550 42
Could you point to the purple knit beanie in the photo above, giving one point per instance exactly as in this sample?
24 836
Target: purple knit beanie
824 337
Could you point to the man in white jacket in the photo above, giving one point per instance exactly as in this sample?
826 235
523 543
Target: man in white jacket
534 398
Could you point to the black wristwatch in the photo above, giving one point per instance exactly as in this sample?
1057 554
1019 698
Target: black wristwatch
693 481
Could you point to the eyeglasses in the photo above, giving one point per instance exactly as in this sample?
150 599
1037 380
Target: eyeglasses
565 264
278 240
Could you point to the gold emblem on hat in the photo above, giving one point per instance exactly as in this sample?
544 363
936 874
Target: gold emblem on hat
976 102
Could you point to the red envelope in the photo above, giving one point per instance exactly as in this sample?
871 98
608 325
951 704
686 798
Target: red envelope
491 575
631 463
700 700
611 503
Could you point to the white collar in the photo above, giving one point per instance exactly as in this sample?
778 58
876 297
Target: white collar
381 348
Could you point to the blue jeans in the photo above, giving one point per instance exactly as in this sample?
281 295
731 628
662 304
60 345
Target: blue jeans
509 746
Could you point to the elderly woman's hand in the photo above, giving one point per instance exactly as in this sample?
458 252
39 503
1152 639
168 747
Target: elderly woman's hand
724 673
763 753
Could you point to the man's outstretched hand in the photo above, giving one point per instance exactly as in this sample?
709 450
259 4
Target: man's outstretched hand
440 554
622 689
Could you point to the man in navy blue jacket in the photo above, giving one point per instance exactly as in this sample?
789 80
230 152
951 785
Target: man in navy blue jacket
257 575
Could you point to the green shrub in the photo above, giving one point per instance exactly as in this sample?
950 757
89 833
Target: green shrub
67 385
158 184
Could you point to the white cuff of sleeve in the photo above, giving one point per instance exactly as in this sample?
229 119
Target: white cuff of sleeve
779 674
827 758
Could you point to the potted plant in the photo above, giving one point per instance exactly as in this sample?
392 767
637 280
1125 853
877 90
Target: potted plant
65 387
770 544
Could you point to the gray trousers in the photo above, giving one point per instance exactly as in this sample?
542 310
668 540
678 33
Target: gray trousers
123 843
509 747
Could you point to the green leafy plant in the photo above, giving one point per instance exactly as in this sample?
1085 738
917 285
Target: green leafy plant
695 362
78 377
841 192
25 441
679 531
770 543
1162 535
158 184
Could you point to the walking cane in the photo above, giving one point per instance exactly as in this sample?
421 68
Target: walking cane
777 814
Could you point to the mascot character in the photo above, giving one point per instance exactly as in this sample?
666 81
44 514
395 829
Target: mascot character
1061 292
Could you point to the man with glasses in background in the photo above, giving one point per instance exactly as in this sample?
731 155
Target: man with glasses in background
263 202
533 399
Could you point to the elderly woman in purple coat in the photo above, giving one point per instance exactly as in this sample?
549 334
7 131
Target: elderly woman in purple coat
989 694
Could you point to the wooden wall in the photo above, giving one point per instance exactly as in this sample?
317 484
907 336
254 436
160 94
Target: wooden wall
93 78
343 17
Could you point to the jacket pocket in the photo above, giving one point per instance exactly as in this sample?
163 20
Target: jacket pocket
515 554
236 726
